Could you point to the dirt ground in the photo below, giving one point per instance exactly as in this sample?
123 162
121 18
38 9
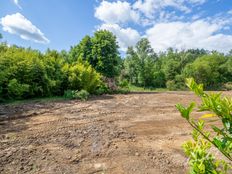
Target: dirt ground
137 133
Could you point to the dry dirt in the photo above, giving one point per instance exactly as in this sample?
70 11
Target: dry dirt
137 133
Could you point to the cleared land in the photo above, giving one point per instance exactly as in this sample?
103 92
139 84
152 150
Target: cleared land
134 133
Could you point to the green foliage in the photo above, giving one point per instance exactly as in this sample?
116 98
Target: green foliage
171 85
159 79
207 69
120 91
102 89
71 94
27 73
123 84
82 95
83 51
17 90
37 74
201 160
139 64
105 55
100 51
27 67
142 67
83 76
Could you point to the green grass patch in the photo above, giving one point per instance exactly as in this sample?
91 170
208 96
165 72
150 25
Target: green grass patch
34 100
133 88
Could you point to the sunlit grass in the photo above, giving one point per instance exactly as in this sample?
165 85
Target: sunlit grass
133 88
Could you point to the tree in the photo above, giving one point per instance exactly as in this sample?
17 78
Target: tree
131 66
83 51
105 56
140 63
147 58
206 69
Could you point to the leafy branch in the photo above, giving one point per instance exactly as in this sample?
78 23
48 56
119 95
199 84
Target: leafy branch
218 106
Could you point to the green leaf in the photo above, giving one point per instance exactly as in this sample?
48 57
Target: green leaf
185 112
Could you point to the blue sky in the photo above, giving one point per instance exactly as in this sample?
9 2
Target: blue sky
58 24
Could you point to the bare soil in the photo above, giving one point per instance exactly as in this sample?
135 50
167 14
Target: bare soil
137 133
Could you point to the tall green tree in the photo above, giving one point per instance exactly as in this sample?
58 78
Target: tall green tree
105 56
83 51
140 63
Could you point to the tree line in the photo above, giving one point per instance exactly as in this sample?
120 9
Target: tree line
143 67
27 73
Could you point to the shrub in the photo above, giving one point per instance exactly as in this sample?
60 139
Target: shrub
17 90
102 89
123 84
69 94
201 160
82 95
170 84
83 76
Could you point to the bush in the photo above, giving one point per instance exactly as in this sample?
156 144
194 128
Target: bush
82 95
102 89
177 84
83 76
228 86
201 160
17 90
171 85
123 84
69 94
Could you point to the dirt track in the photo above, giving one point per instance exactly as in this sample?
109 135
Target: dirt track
135 133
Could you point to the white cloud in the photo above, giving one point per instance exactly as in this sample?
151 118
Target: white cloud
125 36
150 7
116 12
19 25
230 12
17 3
197 1
186 35
166 32
146 12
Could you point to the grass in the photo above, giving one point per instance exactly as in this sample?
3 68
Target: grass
32 100
133 88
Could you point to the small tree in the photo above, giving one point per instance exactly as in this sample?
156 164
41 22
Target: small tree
201 160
